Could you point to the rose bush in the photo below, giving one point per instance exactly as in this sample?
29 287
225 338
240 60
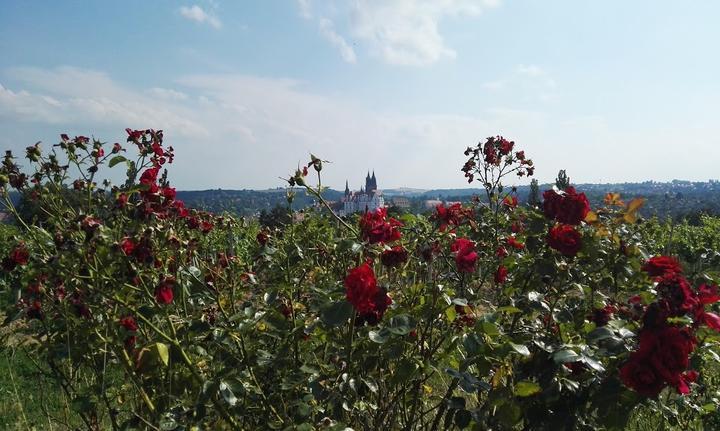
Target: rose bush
492 315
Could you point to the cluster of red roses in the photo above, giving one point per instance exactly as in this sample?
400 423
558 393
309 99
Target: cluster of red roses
664 349
465 254
369 300
377 228
453 215
19 255
569 209
492 153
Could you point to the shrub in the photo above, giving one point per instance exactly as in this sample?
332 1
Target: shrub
488 316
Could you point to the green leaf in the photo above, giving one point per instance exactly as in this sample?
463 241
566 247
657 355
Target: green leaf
380 336
160 351
401 324
565 356
525 389
521 349
227 394
337 313
451 313
115 160
600 333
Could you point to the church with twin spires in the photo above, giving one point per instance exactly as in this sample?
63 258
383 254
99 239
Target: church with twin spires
368 198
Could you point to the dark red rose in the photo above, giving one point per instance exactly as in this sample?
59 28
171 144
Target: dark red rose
568 207
121 200
381 301
505 146
465 255
501 252
127 246
659 266
514 243
395 256
262 238
707 294
129 323
501 275
206 226
565 239
169 193
149 176
164 291
669 352
520 155
361 288
193 222
20 255
676 290
638 374
116 148
453 215
711 320
601 316
376 228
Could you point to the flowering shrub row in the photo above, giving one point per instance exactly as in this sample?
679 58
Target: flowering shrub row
491 315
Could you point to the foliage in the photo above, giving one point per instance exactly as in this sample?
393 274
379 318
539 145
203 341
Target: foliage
484 316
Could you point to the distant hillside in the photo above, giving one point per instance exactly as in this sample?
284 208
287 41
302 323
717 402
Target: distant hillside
676 199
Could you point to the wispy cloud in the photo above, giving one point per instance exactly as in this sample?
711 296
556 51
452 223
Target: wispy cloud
406 32
198 14
328 31
239 131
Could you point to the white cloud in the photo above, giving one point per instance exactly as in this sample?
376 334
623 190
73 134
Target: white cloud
305 8
168 93
406 32
402 32
198 14
328 31
529 70
236 131
69 95
526 82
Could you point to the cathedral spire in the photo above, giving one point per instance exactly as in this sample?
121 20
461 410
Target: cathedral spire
347 189
373 181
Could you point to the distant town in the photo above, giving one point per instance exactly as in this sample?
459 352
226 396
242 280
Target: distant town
676 199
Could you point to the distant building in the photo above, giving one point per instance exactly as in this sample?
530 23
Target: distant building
432 203
400 202
368 198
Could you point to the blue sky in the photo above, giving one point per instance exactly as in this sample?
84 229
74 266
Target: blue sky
611 91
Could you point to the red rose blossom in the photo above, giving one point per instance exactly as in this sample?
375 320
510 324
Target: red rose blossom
395 256
568 207
565 239
361 288
501 275
376 228
20 255
465 255
129 323
164 291
127 246
659 266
